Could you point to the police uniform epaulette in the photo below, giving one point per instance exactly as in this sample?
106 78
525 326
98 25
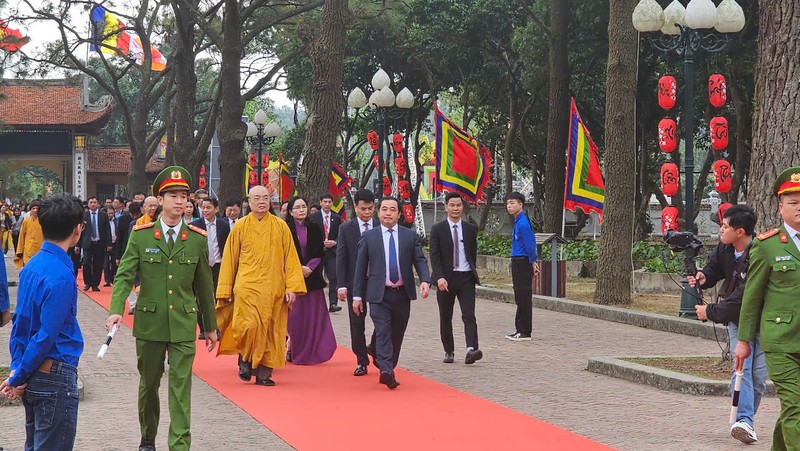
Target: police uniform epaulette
767 234
198 230
144 226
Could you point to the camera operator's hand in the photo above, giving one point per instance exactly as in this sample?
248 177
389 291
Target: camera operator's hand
700 310
699 277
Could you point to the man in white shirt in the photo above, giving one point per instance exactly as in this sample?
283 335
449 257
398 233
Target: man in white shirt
329 222
233 207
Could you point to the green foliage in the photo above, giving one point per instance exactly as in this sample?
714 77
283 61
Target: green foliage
496 246
583 250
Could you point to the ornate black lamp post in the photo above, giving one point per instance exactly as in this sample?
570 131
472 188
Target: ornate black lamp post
261 134
700 26
383 105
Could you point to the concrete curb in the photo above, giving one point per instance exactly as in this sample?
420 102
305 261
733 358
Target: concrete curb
18 402
647 320
663 379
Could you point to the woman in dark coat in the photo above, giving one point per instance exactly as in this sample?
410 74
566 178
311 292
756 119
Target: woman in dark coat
310 331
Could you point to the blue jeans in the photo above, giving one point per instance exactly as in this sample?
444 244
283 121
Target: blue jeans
754 380
51 409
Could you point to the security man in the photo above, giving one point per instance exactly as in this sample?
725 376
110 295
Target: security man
172 261
770 307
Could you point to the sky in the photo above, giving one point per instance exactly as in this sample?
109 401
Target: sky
41 33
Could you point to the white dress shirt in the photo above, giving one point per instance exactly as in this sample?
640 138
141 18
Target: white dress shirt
361 225
214 254
463 264
792 233
386 235
176 228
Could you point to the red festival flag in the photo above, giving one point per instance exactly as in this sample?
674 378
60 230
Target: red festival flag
584 187
11 39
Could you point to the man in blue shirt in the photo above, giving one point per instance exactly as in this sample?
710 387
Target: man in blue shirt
523 265
46 341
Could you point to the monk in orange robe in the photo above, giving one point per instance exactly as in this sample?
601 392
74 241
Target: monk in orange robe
259 280
30 237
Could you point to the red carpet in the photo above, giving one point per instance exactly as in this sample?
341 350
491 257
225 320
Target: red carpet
324 407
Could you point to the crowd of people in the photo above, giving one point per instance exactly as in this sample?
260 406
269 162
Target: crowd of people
250 280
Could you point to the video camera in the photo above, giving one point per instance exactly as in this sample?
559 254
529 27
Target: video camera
683 241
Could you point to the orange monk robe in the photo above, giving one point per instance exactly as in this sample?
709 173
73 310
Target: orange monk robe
144 219
30 240
259 266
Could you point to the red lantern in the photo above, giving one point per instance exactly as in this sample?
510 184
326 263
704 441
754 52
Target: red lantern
667 89
404 189
201 182
251 160
408 213
373 139
375 161
400 166
717 90
264 161
722 209
253 178
722 176
202 169
669 219
719 132
667 135
397 142
264 178
669 179
387 186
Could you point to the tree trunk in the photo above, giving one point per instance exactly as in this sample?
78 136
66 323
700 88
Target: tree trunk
558 117
776 120
614 264
325 46
230 128
186 82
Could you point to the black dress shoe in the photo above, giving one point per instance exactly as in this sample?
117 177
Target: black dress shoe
95 288
202 336
86 287
334 308
289 356
388 380
473 355
448 357
106 284
245 370
361 370
265 382
147 445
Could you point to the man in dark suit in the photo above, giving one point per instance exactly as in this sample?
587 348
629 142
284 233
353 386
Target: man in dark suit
346 253
218 231
109 260
329 222
95 242
384 278
454 249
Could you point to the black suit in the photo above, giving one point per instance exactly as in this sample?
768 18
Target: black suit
329 259
123 232
94 250
389 307
110 257
460 284
223 230
346 253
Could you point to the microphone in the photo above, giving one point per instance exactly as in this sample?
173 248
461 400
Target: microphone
107 342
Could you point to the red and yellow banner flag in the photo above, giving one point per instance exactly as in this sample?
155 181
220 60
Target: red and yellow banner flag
584 187
11 39
462 162
287 184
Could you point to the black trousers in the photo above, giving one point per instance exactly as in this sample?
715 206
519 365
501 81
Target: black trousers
109 267
93 264
462 285
358 326
330 272
215 278
522 279
390 317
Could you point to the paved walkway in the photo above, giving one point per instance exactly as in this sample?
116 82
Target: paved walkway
545 378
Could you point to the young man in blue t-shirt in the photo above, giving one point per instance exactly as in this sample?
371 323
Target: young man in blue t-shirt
524 265
46 341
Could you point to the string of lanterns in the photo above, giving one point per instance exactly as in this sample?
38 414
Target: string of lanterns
668 142
401 170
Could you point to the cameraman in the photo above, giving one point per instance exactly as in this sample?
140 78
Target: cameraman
729 261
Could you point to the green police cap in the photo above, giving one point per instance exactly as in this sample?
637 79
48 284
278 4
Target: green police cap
172 178
787 182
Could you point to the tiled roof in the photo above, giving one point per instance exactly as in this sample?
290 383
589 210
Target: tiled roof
117 160
50 104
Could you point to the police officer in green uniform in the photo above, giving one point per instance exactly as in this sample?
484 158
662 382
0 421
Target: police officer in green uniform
171 259
771 307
